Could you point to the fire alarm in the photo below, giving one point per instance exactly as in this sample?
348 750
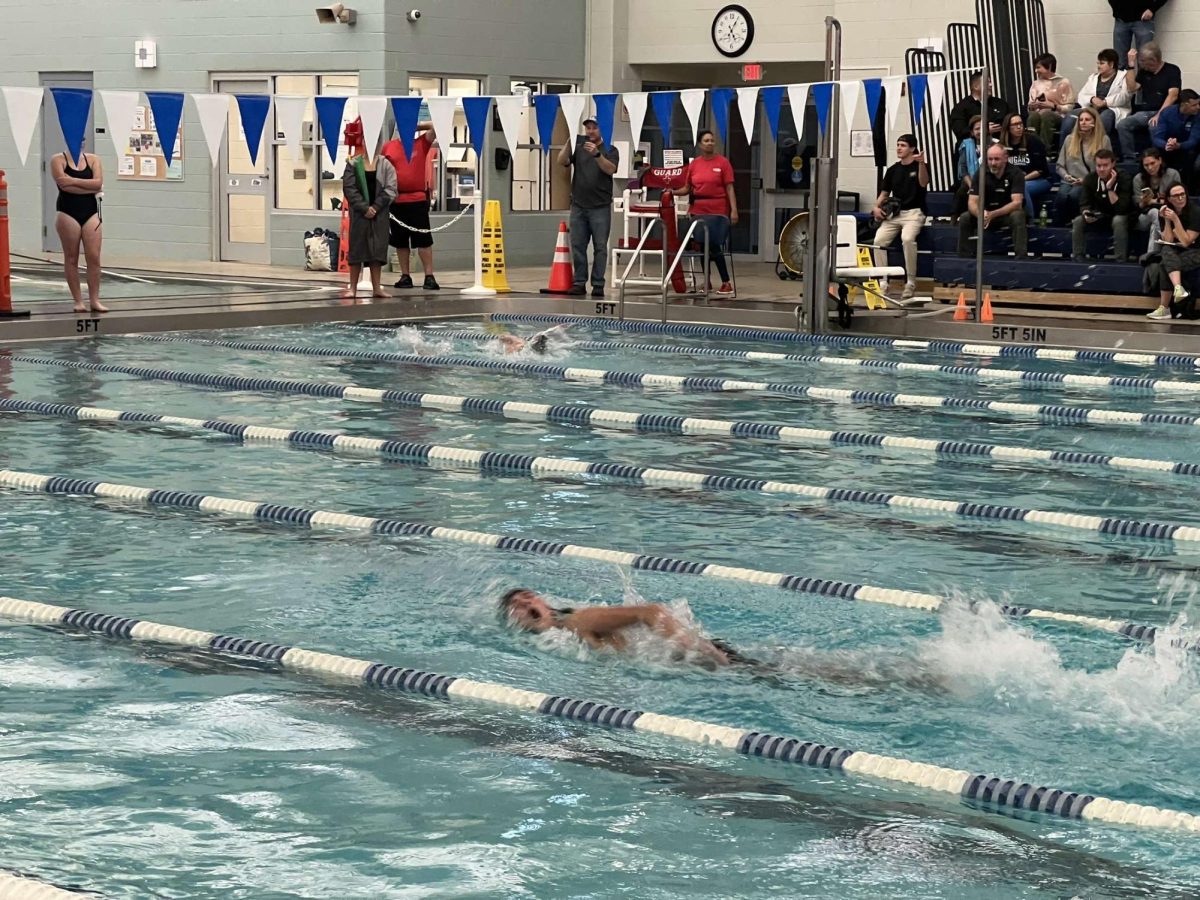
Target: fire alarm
145 55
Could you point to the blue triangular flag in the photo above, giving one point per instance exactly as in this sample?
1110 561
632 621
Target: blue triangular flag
478 111
720 98
329 114
74 106
772 98
253 109
917 85
822 94
545 106
167 107
606 114
664 108
873 90
407 112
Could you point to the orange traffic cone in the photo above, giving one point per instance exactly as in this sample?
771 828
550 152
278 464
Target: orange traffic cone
961 314
562 272
985 314
344 244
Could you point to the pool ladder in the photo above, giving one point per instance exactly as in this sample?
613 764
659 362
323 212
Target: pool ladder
663 283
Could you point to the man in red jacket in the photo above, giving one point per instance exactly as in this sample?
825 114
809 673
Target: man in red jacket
411 206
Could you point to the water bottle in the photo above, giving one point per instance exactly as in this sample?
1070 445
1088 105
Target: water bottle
1043 219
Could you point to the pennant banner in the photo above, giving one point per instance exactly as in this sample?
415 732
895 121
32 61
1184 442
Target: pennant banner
253 109
289 115
573 106
120 112
509 109
747 99
478 111
822 94
720 99
372 111
664 109
873 91
213 110
329 114
693 105
894 85
74 106
850 92
545 107
441 113
606 115
772 105
23 106
917 84
167 107
936 82
798 101
635 105
407 112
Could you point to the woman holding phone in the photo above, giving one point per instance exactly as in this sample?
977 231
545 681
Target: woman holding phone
1180 229
1151 185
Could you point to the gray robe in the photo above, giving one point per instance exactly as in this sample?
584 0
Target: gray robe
369 237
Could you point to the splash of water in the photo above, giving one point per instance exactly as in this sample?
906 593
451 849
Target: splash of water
413 340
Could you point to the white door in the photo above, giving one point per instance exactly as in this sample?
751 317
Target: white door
244 197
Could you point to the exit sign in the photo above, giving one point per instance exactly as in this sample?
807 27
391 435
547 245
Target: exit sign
752 72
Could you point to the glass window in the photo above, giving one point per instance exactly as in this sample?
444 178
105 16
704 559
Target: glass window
311 180
538 184
453 162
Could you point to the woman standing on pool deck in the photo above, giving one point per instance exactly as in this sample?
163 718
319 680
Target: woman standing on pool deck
369 186
710 180
78 221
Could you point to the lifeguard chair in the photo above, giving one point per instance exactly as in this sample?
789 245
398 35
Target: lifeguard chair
638 211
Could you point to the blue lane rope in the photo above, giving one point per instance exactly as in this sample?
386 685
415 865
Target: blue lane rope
745 333
301 517
641 423
551 466
987 790
1073 414
1017 377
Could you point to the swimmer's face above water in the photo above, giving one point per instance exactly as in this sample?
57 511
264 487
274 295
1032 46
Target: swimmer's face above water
526 609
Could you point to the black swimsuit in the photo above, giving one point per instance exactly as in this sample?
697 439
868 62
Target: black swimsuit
80 207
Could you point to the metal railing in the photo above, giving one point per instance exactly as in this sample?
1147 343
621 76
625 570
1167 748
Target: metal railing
634 258
683 245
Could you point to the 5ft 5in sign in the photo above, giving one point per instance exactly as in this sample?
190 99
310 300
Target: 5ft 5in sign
1019 333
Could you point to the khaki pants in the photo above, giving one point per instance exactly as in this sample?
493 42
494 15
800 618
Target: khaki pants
907 223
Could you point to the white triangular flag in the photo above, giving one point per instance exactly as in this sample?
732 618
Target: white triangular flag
120 110
798 101
214 113
289 113
441 111
572 106
936 82
851 93
894 85
747 100
372 111
693 103
635 105
23 105
509 110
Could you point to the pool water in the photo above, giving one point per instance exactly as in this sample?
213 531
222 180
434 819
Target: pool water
134 770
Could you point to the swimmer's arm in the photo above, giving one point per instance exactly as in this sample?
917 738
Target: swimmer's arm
604 621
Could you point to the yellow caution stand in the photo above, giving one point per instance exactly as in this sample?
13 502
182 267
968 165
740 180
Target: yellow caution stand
869 288
478 289
493 250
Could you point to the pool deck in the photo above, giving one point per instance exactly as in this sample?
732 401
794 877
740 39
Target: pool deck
229 295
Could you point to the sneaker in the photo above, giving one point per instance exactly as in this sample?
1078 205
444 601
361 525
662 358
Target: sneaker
597 292
726 288
910 291
1181 292
431 284
404 282
577 290
1161 313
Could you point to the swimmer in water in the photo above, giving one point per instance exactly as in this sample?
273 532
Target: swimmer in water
608 626
539 343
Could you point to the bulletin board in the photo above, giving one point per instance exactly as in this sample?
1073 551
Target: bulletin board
143 159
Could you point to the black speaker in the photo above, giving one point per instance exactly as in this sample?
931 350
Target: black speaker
503 158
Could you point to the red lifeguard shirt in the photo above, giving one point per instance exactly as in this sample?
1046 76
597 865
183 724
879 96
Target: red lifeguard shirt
707 179
412 178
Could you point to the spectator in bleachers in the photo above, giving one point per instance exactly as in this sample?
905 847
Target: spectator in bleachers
1105 91
1151 186
1050 98
972 105
1027 153
1106 204
1180 229
1134 19
900 207
1154 85
966 164
1077 162
1177 135
1003 204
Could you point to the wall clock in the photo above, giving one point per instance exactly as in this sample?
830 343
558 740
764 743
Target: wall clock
732 30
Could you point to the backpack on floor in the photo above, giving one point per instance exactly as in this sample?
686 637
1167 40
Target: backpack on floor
321 250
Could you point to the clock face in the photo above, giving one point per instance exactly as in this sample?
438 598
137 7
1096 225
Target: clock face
732 31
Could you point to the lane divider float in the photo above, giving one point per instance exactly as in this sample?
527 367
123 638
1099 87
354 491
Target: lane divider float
746 333
313 519
552 466
987 790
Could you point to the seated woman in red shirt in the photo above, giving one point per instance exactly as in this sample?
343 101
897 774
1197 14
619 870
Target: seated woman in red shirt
710 180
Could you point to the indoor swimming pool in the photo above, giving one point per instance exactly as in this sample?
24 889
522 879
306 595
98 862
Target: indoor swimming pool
938 559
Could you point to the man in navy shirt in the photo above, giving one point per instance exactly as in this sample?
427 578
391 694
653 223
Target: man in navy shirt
1177 135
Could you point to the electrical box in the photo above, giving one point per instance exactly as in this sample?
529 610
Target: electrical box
145 55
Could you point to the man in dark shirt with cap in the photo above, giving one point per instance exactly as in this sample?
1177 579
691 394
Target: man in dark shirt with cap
593 164
1003 204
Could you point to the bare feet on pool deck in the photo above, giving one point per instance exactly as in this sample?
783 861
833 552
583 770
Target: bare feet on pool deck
349 293
79 307
381 294
98 307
